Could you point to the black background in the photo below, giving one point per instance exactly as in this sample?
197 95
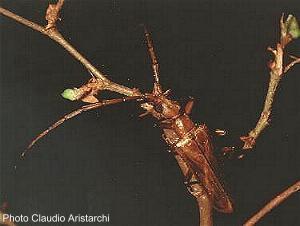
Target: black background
108 160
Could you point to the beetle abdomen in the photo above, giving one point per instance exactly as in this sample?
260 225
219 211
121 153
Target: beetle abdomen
193 144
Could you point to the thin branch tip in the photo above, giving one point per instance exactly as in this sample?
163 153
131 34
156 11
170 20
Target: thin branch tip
277 70
53 34
273 203
52 14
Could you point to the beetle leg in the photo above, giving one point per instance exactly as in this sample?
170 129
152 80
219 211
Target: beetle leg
220 132
189 106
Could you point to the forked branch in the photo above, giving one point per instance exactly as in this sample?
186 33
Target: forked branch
100 82
51 31
88 91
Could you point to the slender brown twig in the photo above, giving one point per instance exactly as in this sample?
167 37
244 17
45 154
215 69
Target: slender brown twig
203 201
277 70
273 203
290 65
195 189
205 210
52 14
204 204
53 33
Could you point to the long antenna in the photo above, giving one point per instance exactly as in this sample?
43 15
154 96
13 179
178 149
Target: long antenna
155 65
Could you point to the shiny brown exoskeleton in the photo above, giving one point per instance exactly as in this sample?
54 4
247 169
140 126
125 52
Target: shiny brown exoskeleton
188 142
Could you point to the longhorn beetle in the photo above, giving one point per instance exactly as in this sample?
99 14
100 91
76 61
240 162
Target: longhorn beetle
189 143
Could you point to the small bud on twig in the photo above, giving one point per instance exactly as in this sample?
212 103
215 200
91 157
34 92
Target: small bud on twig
70 94
52 14
292 27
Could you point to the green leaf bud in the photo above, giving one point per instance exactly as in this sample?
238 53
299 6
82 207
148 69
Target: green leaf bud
69 94
292 27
